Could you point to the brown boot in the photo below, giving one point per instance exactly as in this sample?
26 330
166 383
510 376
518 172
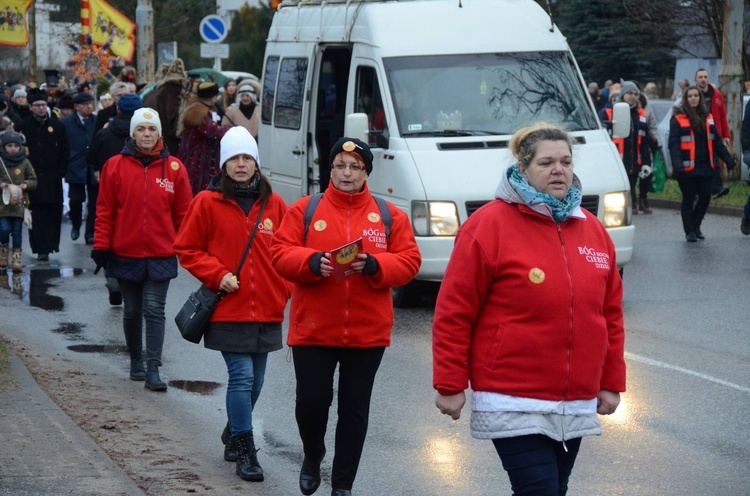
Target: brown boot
16 261
4 256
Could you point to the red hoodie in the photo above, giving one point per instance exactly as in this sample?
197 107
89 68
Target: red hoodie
210 245
358 311
530 308
140 208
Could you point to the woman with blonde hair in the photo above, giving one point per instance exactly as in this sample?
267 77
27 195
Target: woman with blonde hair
536 333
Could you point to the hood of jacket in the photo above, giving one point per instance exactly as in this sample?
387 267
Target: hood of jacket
120 125
195 115
506 193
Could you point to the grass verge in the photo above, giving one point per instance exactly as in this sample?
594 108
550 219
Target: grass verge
738 191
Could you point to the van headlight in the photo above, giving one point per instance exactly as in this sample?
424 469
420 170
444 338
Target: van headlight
434 218
616 209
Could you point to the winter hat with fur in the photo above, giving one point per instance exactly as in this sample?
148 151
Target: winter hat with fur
143 115
238 141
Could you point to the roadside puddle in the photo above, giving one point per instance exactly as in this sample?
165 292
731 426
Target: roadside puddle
201 387
32 286
98 348
71 330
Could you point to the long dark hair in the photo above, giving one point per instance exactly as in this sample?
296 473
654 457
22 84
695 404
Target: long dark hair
228 185
697 115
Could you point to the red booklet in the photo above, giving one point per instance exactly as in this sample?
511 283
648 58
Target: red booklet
343 257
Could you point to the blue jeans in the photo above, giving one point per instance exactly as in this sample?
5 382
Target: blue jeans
536 464
11 226
144 300
246 374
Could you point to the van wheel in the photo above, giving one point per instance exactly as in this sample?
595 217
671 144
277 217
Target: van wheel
413 294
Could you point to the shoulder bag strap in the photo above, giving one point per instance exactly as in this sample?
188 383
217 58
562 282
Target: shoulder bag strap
252 235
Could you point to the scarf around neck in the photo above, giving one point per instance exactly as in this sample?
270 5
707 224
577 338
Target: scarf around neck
560 209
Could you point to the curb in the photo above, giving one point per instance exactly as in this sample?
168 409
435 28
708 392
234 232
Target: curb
712 209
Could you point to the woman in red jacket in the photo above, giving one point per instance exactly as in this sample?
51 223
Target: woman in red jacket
344 321
143 196
246 324
530 313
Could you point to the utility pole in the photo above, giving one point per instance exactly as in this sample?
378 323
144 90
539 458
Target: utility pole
731 76
32 42
144 19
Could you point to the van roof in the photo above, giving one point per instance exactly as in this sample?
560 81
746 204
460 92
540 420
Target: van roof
419 27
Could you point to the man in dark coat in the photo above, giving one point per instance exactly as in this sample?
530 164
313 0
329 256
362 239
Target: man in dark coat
79 127
48 153
105 115
107 143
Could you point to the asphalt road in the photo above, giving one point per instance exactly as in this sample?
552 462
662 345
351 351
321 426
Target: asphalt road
682 429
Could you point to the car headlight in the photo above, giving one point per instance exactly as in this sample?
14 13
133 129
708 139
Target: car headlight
616 209
434 218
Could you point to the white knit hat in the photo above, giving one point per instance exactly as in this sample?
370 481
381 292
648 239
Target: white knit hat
145 114
19 92
238 141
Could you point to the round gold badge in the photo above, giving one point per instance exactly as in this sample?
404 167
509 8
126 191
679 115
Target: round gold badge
536 275
349 146
175 165
18 172
373 217
320 225
147 115
268 224
50 129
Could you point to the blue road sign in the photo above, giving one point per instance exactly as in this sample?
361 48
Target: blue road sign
213 29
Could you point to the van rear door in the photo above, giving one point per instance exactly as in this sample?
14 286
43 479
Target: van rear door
286 108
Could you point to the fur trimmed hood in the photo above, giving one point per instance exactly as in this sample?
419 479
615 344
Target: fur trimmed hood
195 115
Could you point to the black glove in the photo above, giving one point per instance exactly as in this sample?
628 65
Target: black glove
730 164
371 266
100 257
315 263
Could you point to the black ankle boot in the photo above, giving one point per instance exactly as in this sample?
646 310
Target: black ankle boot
309 475
153 381
248 467
341 492
137 372
230 447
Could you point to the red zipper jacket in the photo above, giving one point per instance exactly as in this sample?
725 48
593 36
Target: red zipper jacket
210 244
358 311
530 308
140 207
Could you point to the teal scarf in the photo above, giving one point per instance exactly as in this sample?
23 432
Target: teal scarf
561 209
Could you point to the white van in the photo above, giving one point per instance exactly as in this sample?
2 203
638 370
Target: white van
444 85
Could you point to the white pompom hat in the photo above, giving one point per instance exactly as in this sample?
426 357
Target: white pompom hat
145 114
238 141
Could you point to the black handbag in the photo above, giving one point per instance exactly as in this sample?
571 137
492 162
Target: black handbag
192 319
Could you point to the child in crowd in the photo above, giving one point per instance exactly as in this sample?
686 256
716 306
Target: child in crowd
15 169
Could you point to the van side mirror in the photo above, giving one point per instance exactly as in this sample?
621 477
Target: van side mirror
621 120
356 126
382 138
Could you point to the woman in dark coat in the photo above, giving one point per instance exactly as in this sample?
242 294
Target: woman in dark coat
48 153
694 144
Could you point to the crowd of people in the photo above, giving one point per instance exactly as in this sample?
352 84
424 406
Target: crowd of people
699 138
174 179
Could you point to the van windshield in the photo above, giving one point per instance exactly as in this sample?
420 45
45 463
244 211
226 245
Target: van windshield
479 94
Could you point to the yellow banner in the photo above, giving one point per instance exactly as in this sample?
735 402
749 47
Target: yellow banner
108 25
14 30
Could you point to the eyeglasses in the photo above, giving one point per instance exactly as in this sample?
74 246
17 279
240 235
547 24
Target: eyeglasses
351 167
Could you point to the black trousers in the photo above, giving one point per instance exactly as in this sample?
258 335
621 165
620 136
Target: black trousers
693 211
314 368
77 194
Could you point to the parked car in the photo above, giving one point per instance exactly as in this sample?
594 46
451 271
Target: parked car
237 75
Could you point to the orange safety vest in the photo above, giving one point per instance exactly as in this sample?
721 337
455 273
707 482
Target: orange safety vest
642 128
687 141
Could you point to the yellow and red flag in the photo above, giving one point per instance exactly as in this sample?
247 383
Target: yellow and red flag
14 30
108 26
